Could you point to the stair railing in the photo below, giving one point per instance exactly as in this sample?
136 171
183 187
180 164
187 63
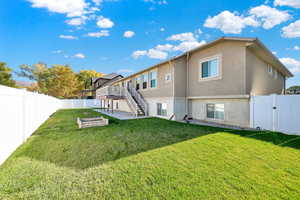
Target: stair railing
140 99
131 102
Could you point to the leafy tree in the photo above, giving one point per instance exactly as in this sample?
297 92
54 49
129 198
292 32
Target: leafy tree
63 82
6 76
84 76
37 72
59 80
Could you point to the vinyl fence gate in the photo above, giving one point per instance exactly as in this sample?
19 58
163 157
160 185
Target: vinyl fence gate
276 113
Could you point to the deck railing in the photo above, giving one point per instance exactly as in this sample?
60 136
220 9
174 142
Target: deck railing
110 91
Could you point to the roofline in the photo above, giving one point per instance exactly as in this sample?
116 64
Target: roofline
247 39
275 58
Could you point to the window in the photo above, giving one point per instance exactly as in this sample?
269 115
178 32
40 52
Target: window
275 74
144 78
210 68
215 111
162 109
153 79
168 77
270 69
137 83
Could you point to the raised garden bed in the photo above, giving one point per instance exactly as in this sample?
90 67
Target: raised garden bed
91 122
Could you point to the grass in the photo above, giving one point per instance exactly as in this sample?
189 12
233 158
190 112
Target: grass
150 159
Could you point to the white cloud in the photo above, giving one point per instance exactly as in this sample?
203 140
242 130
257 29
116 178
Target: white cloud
71 8
125 71
79 55
105 22
188 45
157 54
160 2
77 21
291 3
138 54
229 22
199 31
269 16
292 30
165 47
274 52
151 53
162 29
292 64
57 51
128 34
182 37
68 37
296 48
102 33
97 2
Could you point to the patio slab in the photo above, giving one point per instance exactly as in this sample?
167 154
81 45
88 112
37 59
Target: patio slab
121 115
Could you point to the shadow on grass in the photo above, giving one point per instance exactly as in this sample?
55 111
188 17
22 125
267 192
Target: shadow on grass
60 141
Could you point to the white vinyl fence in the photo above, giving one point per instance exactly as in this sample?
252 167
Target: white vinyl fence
80 103
276 113
22 112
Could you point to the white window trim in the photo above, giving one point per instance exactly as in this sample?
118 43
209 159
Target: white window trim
162 106
219 57
275 74
270 67
166 75
214 119
142 81
149 80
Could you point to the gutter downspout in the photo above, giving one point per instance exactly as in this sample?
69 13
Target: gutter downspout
284 86
173 88
187 83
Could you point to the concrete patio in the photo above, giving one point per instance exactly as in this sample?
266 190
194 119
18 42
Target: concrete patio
121 115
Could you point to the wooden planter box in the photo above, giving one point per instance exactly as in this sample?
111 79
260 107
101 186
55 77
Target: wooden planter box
91 122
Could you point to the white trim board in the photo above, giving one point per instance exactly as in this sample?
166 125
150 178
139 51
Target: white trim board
221 97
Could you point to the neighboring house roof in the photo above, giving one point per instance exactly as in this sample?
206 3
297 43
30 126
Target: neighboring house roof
108 77
111 76
259 46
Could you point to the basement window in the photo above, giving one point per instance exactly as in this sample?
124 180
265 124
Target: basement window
215 111
162 109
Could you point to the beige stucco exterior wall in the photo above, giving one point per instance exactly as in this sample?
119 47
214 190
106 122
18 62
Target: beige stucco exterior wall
122 105
163 89
180 77
237 111
233 71
258 80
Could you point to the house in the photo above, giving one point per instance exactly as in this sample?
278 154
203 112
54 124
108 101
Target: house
211 83
99 82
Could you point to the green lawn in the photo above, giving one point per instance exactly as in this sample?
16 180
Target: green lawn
150 159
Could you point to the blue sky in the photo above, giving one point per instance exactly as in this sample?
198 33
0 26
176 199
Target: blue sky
128 35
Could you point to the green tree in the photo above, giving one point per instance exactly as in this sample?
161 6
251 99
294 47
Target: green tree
6 76
58 81
63 82
84 76
37 72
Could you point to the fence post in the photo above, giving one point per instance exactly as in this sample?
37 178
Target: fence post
23 114
252 105
274 112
